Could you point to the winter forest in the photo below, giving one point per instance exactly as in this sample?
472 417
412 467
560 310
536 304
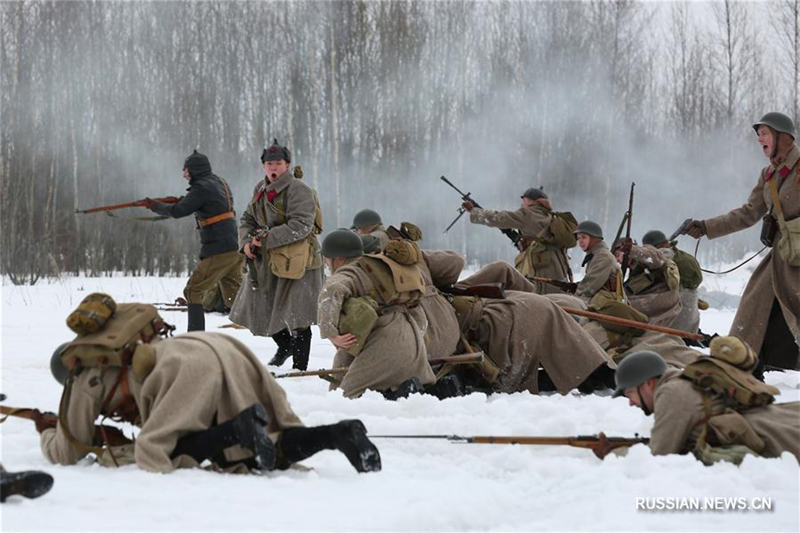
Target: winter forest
101 102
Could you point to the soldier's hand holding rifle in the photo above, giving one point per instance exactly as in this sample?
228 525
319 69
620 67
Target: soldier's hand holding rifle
255 242
44 420
468 205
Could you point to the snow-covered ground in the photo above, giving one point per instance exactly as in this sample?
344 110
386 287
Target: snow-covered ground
425 485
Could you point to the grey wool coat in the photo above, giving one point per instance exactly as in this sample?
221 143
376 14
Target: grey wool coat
526 330
440 268
774 278
661 304
530 221
395 349
278 303
678 409
600 265
198 378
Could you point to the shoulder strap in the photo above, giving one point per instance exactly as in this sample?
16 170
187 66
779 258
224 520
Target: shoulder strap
773 189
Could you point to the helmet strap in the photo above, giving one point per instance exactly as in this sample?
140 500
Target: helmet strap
642 405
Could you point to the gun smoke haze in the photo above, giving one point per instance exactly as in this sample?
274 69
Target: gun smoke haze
101 102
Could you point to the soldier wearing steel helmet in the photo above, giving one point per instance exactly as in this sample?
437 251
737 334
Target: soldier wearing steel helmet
540 253
691 277
682 413
768 317
368 222
602 269
377 327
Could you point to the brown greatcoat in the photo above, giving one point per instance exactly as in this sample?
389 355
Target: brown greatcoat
526 330
659 302
198 378
278 303
600 265
395 349
670 347
500 272
440 269
774 278
549 261
678 409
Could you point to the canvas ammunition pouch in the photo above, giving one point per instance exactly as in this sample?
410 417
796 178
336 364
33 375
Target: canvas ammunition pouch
92 313
561 229
291 261
394 284
788 245
533 258
708 455
607 303
689 270
358 316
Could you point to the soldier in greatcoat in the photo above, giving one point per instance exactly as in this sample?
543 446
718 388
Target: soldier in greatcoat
368 222
539 255
279 228
768 318
206 397
602 269
392 357
686 415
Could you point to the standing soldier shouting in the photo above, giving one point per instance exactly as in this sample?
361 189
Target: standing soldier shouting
768 318
545 236
278 234
211 201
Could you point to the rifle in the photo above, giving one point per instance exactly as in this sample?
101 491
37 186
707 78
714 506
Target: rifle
467 358
138 203
483 290
681 229
629 216
632 323
512 234
592 442
111 435
566 286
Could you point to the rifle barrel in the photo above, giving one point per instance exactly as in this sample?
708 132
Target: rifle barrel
21 412
137 203
632 323
579 442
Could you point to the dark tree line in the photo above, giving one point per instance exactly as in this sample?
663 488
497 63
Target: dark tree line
101 101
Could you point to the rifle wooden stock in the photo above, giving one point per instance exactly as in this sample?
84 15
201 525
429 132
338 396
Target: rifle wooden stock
484 290
138 203
567 286
461 359
111 435
628 231
632 323
591 442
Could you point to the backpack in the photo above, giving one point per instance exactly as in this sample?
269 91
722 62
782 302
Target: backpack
690 273
562 227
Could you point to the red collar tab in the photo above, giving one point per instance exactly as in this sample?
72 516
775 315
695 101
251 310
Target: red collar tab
271 194
784 171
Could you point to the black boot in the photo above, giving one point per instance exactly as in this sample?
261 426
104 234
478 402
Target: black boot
30 484
301 348
409 386
348 436
197 318
602 378
248 429
284 341
448 386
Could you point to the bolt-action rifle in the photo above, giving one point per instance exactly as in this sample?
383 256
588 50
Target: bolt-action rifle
102 433
599 444
566 286
144 202
629 216
512 234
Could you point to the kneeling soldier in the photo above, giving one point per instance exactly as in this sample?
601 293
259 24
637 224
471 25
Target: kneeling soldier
196 397
369 310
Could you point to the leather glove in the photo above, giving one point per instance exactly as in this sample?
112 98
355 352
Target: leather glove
697 229
604 446
469 206
150 204
45 420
